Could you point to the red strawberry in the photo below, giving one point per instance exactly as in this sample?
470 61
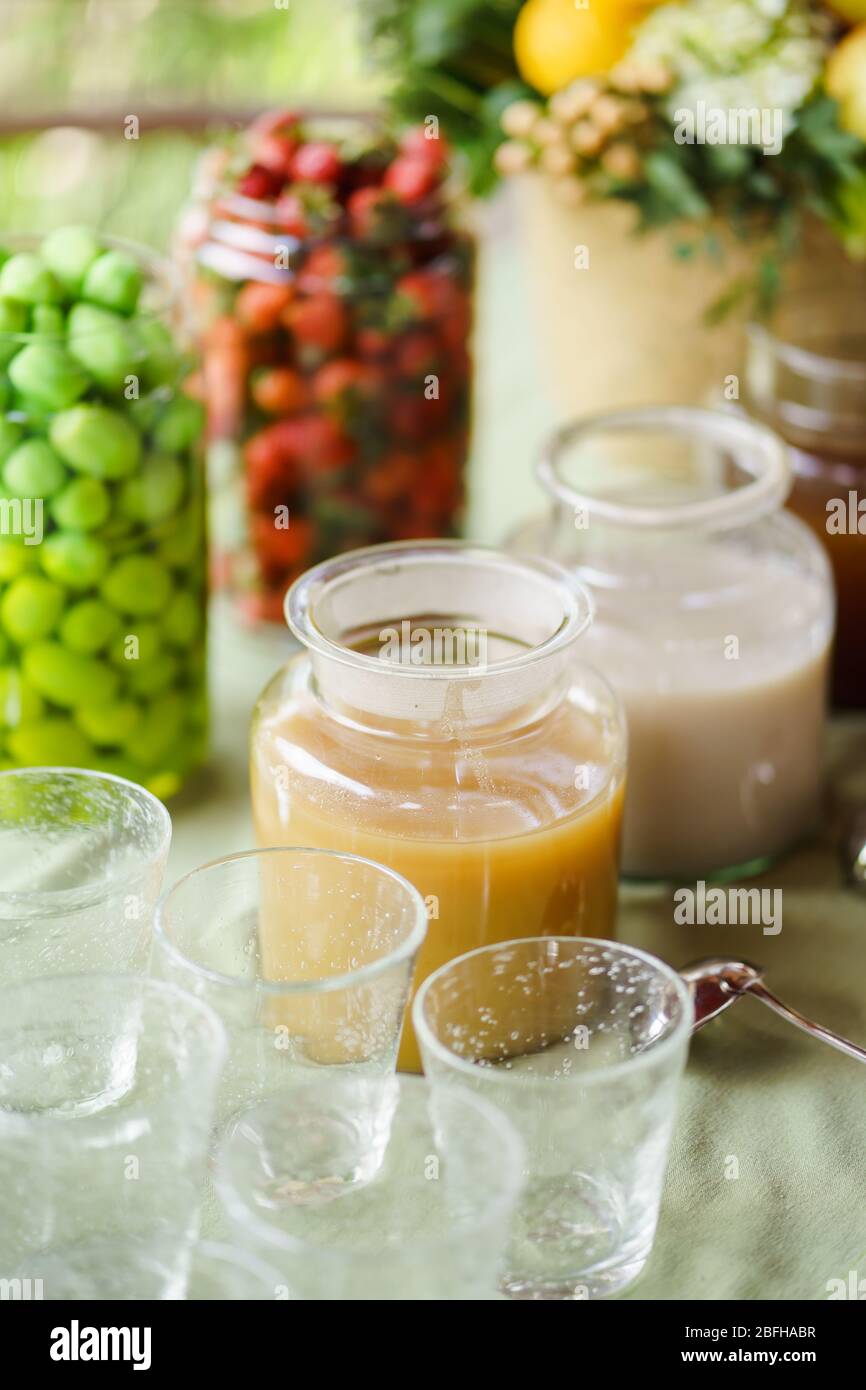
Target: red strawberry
258 306
316 443
343 374
259 183
417 354
418 292
390 479
277 122
290 215
270 473
279 391
282 546
316 162
410 178
373 344
418 144
318 321
413 417
366 209
323 266
275 153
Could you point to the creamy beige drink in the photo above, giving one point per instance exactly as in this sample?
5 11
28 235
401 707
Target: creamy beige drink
713 621
725 713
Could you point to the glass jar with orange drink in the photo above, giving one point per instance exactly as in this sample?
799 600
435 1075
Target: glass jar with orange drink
437 722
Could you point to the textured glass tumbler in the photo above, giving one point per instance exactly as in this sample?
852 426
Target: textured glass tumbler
82 856
415 1194
107 1086
307 956
215 1273
581 1044
221 1273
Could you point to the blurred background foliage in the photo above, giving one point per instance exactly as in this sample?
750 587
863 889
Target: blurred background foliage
71 71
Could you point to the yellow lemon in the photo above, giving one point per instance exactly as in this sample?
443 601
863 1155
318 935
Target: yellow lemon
555 41
846 80
852 10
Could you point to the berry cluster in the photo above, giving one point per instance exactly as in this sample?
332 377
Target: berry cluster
340 355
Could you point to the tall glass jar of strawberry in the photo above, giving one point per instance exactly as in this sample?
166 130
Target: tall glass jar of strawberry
332 283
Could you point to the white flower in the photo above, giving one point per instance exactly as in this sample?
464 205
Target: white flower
737 54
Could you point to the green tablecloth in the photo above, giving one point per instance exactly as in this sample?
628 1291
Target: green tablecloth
790 1111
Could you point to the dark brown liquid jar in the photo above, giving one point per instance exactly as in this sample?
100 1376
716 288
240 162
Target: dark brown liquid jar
806 377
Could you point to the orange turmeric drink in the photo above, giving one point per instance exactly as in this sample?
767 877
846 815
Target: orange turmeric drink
439 723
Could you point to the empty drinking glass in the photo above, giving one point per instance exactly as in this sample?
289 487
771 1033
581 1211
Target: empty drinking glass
215 1273
581 1043
224 1273
107 1086
407 1195
306 955
82 855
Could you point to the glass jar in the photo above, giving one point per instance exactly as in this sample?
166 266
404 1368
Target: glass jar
714 618
335 335
806 377
437 723
102 549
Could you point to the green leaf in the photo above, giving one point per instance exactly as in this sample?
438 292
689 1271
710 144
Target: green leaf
735 294
674 187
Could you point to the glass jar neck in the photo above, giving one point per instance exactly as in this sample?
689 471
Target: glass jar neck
806 370
437 637
661 470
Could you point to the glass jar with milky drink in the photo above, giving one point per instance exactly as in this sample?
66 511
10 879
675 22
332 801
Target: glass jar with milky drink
437 723
714 619
806 377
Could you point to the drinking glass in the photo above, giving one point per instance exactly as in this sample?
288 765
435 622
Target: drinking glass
306 955
223 1273
581 1044
82 855
107 1086
216 1272
413 1195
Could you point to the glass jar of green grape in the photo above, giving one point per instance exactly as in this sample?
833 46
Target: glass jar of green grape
102 546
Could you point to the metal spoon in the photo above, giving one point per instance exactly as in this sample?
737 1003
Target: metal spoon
716 982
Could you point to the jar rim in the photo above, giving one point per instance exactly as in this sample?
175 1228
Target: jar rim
766 491
305 594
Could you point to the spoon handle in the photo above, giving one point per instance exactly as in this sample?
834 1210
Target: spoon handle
816 1030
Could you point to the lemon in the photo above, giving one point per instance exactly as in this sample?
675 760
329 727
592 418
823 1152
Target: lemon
555 41
846 80
852 10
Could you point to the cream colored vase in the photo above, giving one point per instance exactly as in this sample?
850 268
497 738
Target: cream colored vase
620 318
